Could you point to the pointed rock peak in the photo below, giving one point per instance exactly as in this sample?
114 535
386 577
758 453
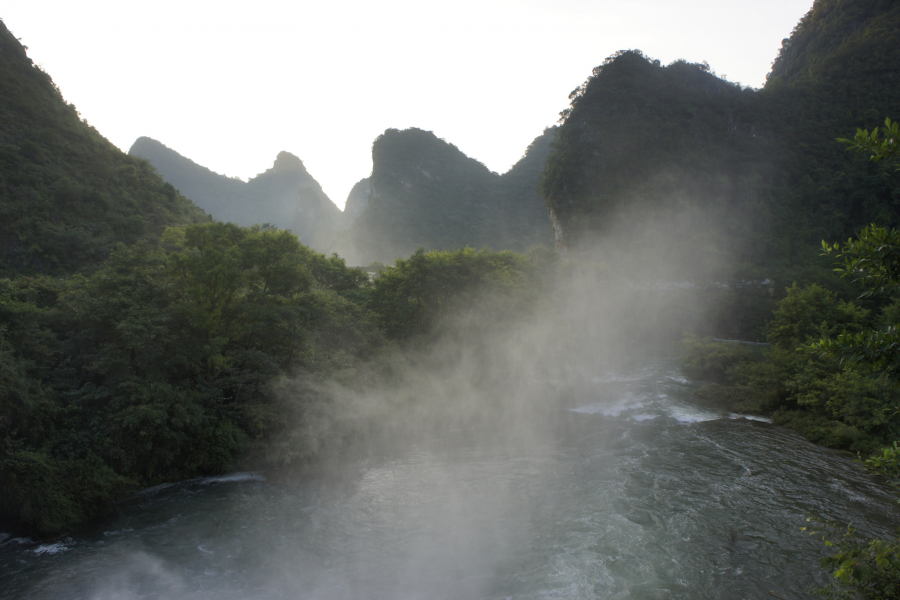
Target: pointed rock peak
144 142
285 161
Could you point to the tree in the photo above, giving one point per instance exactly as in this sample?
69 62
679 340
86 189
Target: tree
869 568
882 147
872 259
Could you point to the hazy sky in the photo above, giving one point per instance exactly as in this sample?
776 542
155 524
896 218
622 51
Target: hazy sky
230 84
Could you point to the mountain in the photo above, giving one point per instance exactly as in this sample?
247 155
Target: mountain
286 195
424 192
837 40
357 200
67 195
673 161
520 220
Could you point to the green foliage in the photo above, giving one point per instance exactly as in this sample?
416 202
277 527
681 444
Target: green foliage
886 463
647 138
177 359
837 40
67 195
875 351
864 568
879 148
160 363
867 569
832 404
811 312
873 259
709 360
419 295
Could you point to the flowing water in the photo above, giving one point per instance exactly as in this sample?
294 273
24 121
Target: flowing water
635 493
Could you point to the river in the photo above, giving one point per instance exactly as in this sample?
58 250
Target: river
634 493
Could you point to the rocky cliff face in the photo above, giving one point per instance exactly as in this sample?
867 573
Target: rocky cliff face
424 192
357 200
285 196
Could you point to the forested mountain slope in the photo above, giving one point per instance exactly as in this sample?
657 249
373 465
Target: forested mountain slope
285 196
745 176
67 195
424 192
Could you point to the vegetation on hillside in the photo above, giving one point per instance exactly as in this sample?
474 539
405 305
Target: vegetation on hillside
67 195
756 172
424 192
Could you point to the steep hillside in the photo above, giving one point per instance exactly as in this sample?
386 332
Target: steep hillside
673 142
677 161
842 40
218 195
286 195
839 70
357 200
424 192
520 220
67 195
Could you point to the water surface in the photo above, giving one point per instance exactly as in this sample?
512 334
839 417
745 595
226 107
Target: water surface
634 493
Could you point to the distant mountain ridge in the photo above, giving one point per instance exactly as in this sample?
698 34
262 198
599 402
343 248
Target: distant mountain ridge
285 196
425 192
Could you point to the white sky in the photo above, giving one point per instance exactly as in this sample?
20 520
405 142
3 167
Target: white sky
230 84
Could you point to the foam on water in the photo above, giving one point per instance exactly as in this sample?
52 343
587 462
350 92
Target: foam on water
614 409
117 532
234 477
640 418
690 414
749 417
638 398
50 548
156 488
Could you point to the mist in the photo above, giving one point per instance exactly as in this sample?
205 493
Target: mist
195 405
549 452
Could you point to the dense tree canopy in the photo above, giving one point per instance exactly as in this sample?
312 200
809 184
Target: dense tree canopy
159 363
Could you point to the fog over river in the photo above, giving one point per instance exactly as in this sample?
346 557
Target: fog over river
635 492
